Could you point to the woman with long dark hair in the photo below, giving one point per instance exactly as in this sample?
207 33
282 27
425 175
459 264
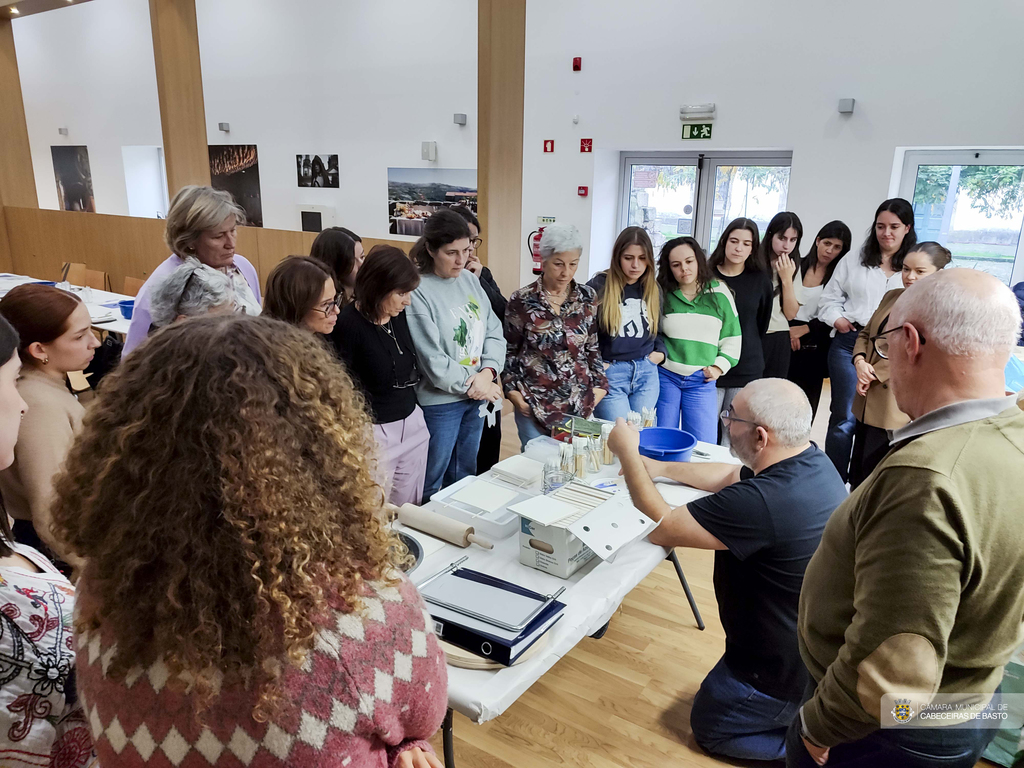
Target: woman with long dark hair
41 719
341 251
736 262
780 254
700 336
629 307
56 338
810 338
460 349
301 291
378 353
847 303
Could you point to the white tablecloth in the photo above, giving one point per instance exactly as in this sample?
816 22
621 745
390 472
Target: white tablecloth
101 303
592 596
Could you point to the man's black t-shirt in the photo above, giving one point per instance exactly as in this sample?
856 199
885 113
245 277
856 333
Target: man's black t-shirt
771 523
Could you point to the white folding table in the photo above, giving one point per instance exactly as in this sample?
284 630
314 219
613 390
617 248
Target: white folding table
592 596
100 303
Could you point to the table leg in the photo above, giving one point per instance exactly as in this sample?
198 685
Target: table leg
686 589
448 739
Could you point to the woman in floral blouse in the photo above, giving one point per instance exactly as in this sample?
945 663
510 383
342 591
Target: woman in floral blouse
553 366
41 723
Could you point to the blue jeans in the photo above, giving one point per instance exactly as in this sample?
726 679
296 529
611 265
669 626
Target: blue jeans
733 719
454 441
528 428
632 385
843 377
688 400
897 748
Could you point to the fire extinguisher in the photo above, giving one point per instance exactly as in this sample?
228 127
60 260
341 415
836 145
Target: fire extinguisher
534 244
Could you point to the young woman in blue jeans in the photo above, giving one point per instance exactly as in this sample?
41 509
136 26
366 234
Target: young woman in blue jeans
700 335
629 303
847 304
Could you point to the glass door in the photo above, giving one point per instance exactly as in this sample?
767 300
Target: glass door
972 203
659 196
697 194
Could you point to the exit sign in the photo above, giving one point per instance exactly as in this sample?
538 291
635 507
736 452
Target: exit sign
697 131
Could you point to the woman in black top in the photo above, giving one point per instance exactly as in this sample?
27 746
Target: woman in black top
490 439
810 338
378 352
735 262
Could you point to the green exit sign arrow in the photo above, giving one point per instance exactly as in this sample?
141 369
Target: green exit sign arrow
696 131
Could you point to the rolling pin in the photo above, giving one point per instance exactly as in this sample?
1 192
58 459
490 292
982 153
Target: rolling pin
452 531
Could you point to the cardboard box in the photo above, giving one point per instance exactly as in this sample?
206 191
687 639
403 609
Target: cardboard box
551 549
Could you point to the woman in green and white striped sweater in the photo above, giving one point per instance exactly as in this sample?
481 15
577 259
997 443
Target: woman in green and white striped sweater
699 333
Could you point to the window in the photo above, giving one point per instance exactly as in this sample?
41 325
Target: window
675 194
973 203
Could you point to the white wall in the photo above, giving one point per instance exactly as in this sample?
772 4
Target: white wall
364 80
145 181
89 68
923 73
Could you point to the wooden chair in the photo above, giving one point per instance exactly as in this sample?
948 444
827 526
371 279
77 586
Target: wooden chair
95 279
79 381
73 273
132 286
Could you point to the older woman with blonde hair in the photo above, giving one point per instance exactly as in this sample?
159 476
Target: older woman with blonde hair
239 600
202 223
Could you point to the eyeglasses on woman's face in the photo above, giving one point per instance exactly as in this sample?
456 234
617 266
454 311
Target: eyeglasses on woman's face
476 242
334 305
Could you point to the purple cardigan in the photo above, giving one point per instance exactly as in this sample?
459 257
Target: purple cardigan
141 320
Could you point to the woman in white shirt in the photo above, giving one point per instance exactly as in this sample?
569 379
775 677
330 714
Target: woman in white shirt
780 253
847 303
810 338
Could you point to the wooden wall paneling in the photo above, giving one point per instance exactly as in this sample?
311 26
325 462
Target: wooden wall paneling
17 179
6 260
274 246
307 241
121 246
248 246
179 81
501 63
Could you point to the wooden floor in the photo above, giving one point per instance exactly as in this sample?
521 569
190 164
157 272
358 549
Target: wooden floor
623 700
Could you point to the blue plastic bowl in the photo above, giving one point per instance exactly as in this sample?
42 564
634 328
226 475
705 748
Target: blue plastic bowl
666 444
127 307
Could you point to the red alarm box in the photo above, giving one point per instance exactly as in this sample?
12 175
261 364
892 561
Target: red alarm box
582 191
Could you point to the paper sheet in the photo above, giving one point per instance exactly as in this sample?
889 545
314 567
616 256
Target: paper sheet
519 468
486 496
544 510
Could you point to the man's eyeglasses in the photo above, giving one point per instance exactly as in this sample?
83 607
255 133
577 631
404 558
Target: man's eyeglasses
476 242
727 416
881 341
328 306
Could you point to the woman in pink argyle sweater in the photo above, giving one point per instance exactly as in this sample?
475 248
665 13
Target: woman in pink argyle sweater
240 603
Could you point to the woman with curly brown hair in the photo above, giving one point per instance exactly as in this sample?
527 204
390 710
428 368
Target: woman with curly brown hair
239 599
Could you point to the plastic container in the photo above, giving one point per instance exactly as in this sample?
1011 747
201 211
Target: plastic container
127 307
666 444
498 524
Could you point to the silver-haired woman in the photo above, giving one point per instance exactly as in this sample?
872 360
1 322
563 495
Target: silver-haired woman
553 365
192 290
202 224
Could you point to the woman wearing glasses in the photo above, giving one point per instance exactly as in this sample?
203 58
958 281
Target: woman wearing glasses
490 439
300 291
373 340
874 405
